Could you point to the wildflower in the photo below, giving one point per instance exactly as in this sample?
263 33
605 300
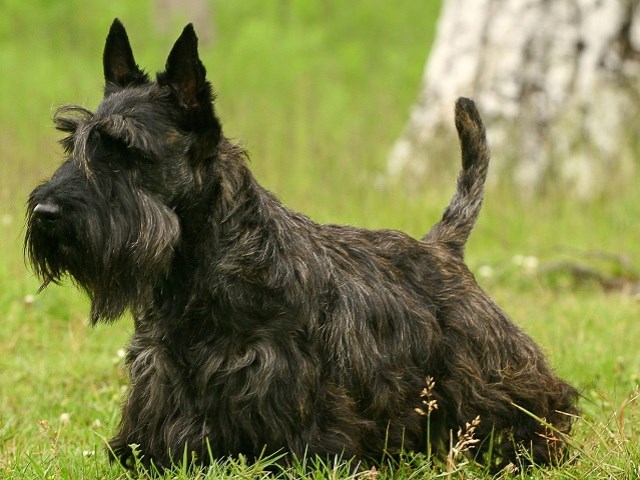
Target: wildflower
485 271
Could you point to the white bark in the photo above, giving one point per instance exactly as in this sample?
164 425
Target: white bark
168 13
557 82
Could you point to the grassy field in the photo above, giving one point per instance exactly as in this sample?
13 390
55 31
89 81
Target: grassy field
317 91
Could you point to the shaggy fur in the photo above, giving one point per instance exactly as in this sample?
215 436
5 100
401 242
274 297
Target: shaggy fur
256 329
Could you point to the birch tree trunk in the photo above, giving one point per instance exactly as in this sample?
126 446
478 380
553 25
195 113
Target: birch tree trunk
557 82
198 12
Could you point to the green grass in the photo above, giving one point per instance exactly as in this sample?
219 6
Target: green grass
317 91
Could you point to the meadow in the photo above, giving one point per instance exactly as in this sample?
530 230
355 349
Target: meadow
317 92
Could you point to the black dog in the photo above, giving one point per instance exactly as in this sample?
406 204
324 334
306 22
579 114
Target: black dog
258 330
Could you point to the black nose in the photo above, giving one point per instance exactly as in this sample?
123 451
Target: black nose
47 210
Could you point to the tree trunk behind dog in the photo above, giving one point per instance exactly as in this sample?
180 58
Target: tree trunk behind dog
556 81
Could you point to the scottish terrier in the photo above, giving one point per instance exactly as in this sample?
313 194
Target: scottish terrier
258 330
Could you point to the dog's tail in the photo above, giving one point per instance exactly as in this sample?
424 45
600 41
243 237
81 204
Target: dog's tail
461 214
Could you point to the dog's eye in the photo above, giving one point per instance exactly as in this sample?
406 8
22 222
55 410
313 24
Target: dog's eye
141 154
112 143
125 146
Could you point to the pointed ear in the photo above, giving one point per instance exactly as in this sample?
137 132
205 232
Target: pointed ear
120 69
185 73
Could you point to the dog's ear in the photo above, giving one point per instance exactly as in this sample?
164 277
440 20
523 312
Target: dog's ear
120 69
185 74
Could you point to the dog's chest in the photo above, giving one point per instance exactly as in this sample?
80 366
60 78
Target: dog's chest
208 376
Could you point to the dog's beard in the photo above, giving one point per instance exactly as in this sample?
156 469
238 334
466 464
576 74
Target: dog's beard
117 259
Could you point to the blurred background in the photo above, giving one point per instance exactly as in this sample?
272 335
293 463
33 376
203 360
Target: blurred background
337 103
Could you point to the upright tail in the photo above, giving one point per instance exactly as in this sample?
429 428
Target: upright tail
463 210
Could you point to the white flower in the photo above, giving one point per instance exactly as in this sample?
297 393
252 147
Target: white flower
120 355
485 271
530 264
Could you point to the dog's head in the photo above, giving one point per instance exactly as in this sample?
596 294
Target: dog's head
109 216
